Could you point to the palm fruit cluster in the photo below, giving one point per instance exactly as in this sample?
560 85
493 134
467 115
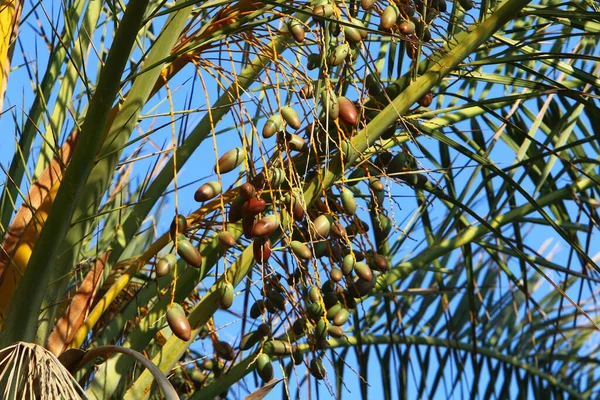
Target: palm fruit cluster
315 260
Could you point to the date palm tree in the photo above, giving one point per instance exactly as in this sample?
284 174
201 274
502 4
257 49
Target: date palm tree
333 198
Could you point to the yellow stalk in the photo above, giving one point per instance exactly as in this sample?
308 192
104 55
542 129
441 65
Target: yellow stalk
10 12
22 253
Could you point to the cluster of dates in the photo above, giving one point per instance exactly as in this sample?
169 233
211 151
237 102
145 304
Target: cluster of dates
329 232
